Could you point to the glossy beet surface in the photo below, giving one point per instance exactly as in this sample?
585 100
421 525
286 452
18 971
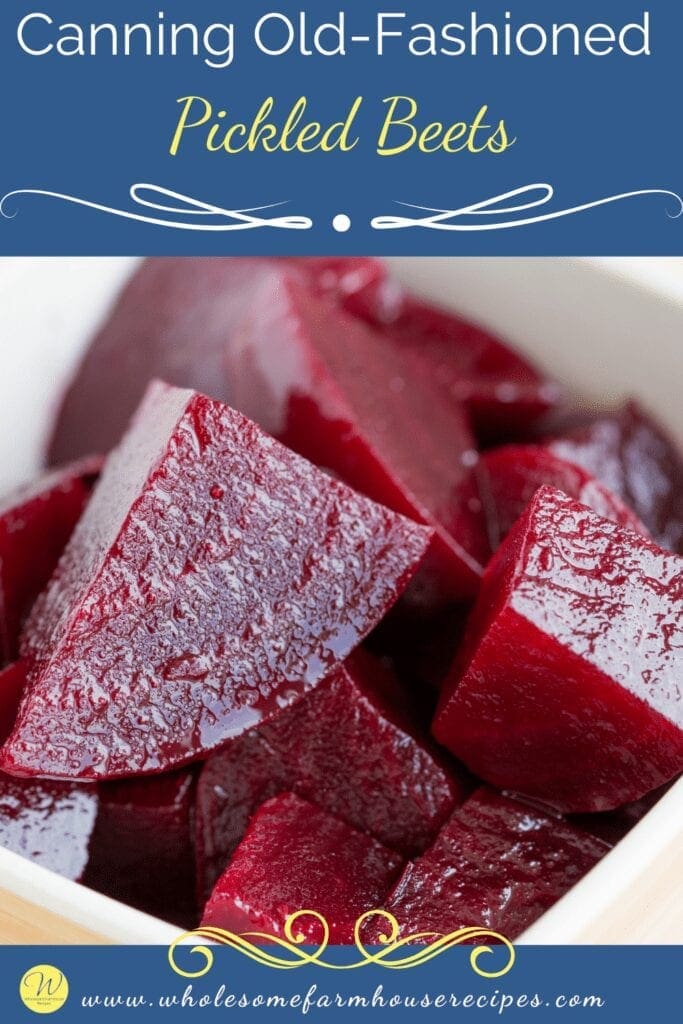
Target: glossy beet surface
174 321
295 857
49 823
630 453
497 864
503 391
510 476
214 578
35 524
142 846
341 395
569 684
349 747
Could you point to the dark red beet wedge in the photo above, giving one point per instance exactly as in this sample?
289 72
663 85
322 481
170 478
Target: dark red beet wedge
173 321
296 857
48 823
510 476
568 688
497 864
35 523
214 578
630 453
339 394
12 682
142 847
349 748
503 391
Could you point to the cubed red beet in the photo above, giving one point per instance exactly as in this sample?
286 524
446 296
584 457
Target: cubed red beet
12 682
214 578
349 747
142 846
48 823
568 687
496 864
510 476
296 857
340 394
504 392
173 320
36 521
631 454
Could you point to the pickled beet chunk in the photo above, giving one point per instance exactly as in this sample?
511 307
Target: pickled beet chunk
347 746
296 857
48 823
630 453
510 476
173 320
36 521
340 394
505 394
141 849
498 864
568 685
12 682
214 578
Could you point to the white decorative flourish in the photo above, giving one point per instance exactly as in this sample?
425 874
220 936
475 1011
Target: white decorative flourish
456 220
187 211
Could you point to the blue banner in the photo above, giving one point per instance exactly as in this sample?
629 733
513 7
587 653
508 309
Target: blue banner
606 984
132 126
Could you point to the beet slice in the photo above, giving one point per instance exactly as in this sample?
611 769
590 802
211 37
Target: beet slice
631 454
568 687
339 394
296 857
48 823
498 863
173 320
214 577
504 392
12 682
348 747
142 846
36 521
510 476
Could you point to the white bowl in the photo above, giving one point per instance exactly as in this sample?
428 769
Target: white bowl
609 328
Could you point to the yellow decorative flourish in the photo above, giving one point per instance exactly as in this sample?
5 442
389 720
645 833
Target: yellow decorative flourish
394 953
